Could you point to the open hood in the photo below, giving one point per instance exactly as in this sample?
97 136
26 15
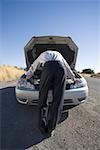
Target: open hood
64 45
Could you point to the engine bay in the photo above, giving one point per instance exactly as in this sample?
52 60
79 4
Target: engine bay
34 82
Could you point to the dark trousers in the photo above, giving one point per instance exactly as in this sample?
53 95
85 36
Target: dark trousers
52 74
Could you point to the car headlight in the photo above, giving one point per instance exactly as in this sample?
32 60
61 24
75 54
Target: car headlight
22 83
78 84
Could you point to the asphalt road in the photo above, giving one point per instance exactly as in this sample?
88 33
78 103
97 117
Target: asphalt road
80 131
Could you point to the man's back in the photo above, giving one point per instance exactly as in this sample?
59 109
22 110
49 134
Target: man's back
50 55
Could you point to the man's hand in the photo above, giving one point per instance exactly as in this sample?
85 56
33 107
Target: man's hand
28 75
77 81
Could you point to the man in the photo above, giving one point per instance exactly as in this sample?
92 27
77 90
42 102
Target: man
55 71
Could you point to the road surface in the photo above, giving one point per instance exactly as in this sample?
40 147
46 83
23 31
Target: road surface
80 131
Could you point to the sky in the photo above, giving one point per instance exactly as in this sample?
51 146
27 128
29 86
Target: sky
22 19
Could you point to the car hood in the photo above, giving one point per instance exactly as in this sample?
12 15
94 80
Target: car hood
64 45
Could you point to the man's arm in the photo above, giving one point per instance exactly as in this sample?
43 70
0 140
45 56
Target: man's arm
68 69
33 67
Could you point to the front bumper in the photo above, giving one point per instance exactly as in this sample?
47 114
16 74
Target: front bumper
72 97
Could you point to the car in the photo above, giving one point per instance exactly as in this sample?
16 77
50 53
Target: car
27 91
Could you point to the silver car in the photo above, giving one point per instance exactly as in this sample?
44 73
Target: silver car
27 92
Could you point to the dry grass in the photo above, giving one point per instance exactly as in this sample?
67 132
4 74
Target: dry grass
97 75
87 75
10 73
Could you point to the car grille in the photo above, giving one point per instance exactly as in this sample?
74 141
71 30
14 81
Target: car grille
34 102
68 101
65 101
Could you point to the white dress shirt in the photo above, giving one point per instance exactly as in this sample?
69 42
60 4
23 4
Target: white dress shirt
50 55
